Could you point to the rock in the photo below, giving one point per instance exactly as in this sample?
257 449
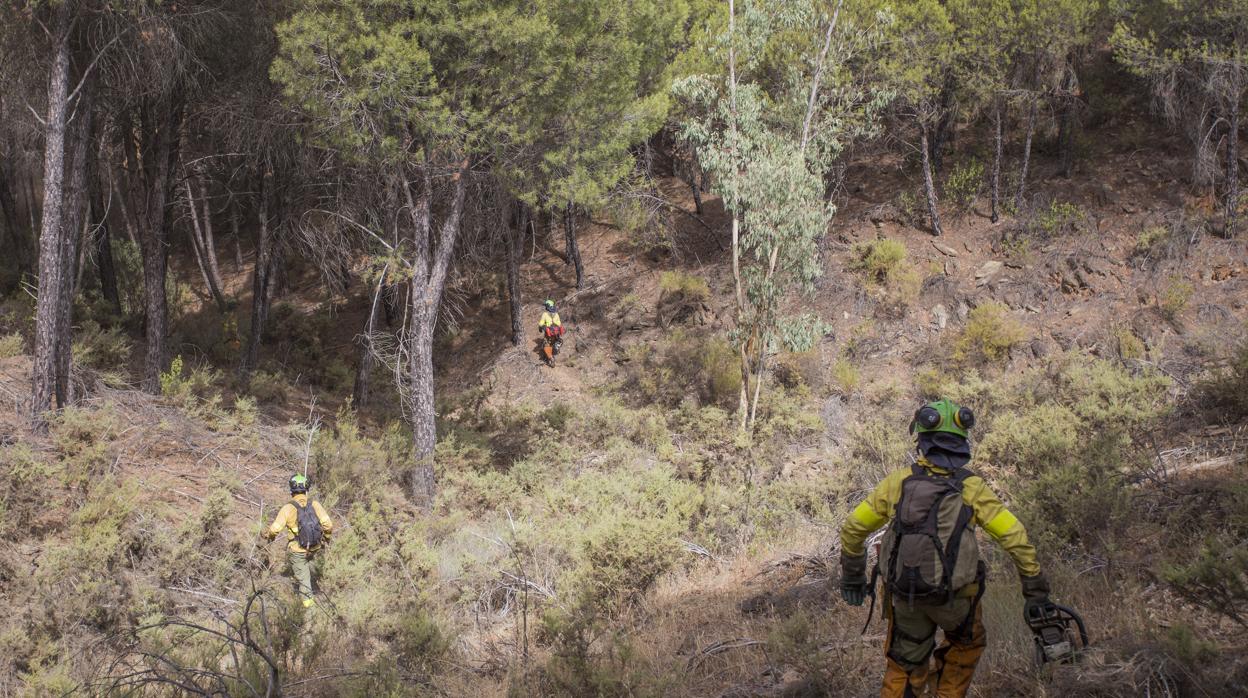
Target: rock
963 310
951 266
985 273
1041 347
940 316
1063 340
944 249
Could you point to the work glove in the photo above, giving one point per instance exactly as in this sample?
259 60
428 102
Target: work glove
853 578
1036 602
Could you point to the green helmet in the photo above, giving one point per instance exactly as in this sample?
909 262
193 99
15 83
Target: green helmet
299 483
943 415
549 305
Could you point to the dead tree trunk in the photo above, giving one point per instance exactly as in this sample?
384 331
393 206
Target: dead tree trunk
929 186
517 226
1067 121
997 149
1021 194
262 276
574 249
52 237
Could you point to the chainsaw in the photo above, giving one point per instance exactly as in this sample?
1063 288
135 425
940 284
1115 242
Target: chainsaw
1054 636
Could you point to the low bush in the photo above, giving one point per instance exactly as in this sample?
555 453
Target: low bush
989 335
1225 392
11 345
965 184
878 259
1174 297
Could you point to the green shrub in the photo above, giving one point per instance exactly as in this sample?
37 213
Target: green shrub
964 184
910 209
1225 392
1127 345
1215 577
685 286
1057 219
989 335
11 345
559 415
267 388
879 259
846 376
1173 299
101 349
624 558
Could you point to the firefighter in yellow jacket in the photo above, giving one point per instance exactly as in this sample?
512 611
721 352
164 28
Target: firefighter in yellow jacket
307 527
929 560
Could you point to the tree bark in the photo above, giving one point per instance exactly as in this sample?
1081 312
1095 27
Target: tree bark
516 228
997 149
1021 194
929 187
52 237
104 263
162 123
16 233
574 249
426 296
201 241
261 278
1232 158
73 218
943 135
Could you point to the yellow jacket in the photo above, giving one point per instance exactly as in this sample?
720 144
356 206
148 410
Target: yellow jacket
990 514
288 518
549 319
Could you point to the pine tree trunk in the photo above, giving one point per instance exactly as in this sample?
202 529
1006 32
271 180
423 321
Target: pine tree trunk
210 241
74 215
127 213
201 237
1021 194
162 129
929 186
261 278
52 232
943 135
515 248
426 298
14 231
238 243
574 249
997 149
1232 161
104 263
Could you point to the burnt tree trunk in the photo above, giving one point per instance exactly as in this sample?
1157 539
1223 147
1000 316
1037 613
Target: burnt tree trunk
262 276
997 149
929 186
1021 194
574 249
52 235
516 228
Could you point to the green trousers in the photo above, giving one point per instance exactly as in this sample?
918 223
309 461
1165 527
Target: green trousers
301 570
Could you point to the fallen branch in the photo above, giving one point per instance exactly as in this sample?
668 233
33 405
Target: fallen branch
719 648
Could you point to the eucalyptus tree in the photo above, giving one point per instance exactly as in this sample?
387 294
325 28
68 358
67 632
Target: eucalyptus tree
1195 55
767 131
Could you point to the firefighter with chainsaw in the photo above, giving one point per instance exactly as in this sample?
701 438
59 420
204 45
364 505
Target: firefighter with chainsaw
551 328
929 558
307 527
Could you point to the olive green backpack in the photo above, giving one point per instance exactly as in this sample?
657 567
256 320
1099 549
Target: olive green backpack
929 551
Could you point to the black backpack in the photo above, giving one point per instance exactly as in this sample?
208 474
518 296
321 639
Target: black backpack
930 551
309 533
